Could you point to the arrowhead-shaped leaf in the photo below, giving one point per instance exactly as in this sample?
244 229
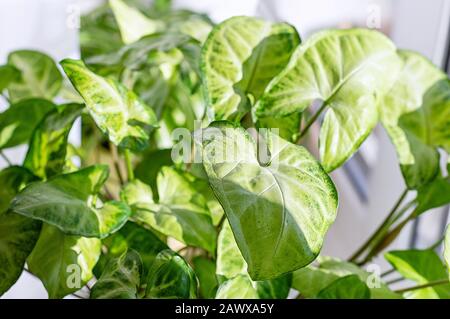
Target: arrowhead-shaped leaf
40 76
171 277
63 263
421 266
117 111
281 209
181 211
20 119
18 235
121 278
239 58
414 113
348 70
65 201
46 154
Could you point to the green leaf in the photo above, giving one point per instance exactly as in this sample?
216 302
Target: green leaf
309 281
434 194
239 58
181 212
20 119
171 277
348 287
117 111
40 76
348 70
230 262
66 201
12 179
277 288
63 263
281 209
8 74
132 236
447 249
239 287
205 269
132 23
404 113
421 266
46 154
121 278
288 126
18 235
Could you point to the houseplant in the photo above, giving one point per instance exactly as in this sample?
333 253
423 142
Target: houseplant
194 178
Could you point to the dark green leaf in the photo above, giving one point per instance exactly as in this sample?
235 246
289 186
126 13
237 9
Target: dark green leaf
12 179
8 74
205 269
18 235
171 277
348 287
66 201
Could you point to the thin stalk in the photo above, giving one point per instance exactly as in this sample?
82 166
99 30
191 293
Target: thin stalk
311 121
427 285
5 158
130 172
383 225
393 281
116 162
388 272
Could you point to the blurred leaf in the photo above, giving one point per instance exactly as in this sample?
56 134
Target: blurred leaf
20 119
181 211
239 58
117 111
230 262
239 287
120 279
434 194
348 287
40 77
18 235
63 263
171 277
152 161
447 249
8 74
47 151
421 266
66 201
348 70
133 24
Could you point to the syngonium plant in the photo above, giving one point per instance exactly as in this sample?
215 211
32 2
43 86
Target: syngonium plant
120 216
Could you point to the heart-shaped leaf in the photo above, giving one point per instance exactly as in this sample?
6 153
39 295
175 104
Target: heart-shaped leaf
18 235
281 208
181 211
414 113
40 77
20 119
46 154
239 58
121 278
66 201
117 111
421 266
63 263
348 70
171 277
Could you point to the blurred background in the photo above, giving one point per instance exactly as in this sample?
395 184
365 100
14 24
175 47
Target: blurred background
368 184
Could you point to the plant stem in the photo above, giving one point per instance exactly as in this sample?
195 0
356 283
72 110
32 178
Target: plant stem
429 284
393 281
381 228
311 121
5 158
388 272
129 164
115 158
